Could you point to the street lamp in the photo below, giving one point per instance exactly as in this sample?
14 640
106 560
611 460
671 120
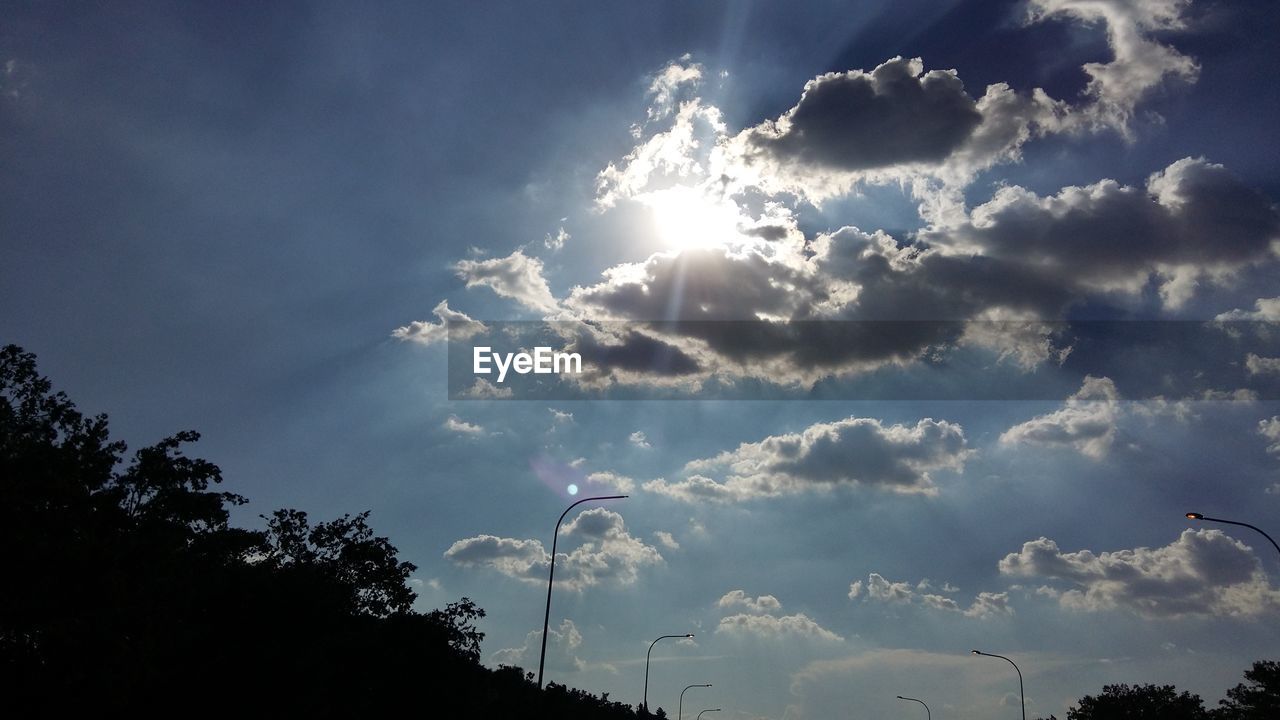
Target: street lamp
546 618
707 711
928 715
1015 667
1198 516
680 709
645 702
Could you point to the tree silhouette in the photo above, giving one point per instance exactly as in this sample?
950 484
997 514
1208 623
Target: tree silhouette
1256 699
1139 702
126 589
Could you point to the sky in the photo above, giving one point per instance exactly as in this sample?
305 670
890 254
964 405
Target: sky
276 223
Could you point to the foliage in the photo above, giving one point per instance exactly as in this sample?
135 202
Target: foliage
127 589
1256 699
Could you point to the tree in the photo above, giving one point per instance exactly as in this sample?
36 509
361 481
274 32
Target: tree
1139 702
1256 699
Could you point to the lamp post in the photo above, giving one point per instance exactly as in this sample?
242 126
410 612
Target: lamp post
645 703
680 709
546 618
1198 516
1021 693
707 711
928 715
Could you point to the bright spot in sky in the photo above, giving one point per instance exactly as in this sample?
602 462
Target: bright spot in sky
573 489
686 218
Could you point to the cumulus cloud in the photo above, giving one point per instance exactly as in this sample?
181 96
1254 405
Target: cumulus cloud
764 620
877 589
1258 365
427 333
1203 572
1270 429
453 423
638 439
859 120
563 644
666 540
739 599
612 481
608 553
1087 423
516 277
850 452
1264 309
482 389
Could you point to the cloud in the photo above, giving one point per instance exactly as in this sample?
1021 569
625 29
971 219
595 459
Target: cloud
516 277
764 621
861 120
608 554
738 598
666 540
455 424
877 589
1270 429
1264 309
1139 64
770 627
482 389
1193 222
560 416
613 481
850 452
1257 365
556 242
1087 423
426 333
562 648
638 439
1203 572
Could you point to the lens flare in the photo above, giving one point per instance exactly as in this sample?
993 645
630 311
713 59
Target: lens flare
573 489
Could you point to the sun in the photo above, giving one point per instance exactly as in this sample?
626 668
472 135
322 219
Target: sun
685 218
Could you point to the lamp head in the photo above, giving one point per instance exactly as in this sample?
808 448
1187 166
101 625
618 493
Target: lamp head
976 652
901 698
688 635
1195 516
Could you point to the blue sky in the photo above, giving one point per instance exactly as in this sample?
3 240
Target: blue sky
245 220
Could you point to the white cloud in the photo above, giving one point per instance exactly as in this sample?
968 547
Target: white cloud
854 451
1264 309
877 589
516 277
1203 572
1139 64
1270 429
456 424
774 628
426 333
560 416
763 620
482 389
666 540
562 648
612 481
1087 423
1257 365
556 242
638 439
607 554
739 599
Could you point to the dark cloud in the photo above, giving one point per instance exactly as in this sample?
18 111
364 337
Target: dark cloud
858 120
